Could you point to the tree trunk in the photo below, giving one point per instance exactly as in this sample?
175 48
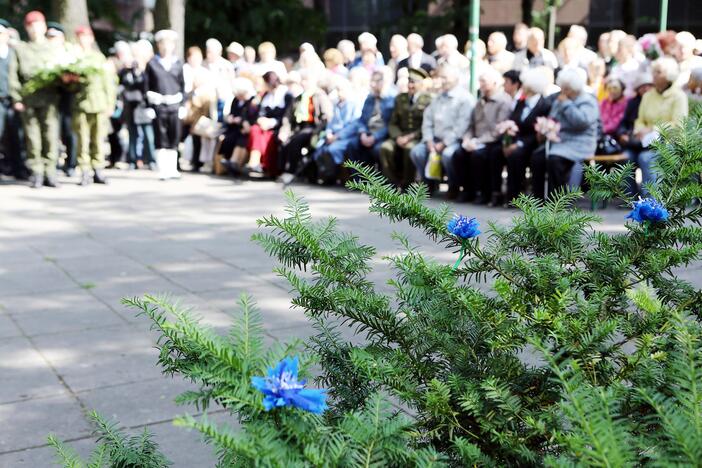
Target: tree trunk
70 13
527 7
170 14
628 17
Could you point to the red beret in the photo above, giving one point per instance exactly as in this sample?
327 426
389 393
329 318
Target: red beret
83 29
33 17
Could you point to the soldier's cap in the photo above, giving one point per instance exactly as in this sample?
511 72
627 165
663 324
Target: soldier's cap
4 25
83 30
34 16
166 35
418 74
54 29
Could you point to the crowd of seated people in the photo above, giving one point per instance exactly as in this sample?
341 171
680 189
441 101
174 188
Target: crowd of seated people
536 117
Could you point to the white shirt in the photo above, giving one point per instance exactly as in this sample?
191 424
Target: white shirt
415 60
4 51
529 104
167 62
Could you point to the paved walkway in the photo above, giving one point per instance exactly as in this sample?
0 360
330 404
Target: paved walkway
67 256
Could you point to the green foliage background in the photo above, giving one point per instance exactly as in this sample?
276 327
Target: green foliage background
287 23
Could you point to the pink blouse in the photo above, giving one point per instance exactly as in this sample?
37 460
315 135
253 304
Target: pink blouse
612 113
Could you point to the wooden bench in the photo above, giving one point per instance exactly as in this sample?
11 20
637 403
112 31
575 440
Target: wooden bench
606 160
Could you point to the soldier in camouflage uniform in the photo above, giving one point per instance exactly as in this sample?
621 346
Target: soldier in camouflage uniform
405 131
39 110
93 103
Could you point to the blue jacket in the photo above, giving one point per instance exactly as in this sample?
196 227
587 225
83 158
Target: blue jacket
579 121
387 103
344 113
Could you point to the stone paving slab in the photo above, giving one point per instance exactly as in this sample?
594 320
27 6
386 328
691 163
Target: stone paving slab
28 423
24 373
68 257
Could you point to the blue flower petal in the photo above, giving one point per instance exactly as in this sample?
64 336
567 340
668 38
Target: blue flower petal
281 387
462 227
311 400
648 209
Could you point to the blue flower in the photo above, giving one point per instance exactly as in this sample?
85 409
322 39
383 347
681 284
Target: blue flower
463 227
281 388
648 209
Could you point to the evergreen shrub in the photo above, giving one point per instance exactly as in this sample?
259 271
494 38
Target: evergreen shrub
548 343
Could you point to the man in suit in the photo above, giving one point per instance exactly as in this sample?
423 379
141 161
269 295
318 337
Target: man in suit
417 58
530 105
405 131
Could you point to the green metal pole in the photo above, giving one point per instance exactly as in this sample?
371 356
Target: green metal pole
473 30
664 15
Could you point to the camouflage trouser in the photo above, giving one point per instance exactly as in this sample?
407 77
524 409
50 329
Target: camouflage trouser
90 133
41 130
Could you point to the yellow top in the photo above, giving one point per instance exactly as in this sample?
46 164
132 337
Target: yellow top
668 107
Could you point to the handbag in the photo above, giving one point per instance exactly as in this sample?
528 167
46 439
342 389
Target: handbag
207 127
607 145
432 170
144 115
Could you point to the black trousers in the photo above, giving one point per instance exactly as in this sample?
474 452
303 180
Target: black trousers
517 163
167 129
558 168
116 148
291 152
68 137
197 145
477 170
11 140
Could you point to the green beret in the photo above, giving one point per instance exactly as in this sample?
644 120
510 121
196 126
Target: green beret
417 74
55 25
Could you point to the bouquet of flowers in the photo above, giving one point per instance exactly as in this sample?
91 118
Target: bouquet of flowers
650 46
508 129
70 75
548 127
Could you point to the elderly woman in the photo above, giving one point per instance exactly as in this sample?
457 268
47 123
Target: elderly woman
578 115
267 61
263 142
693 90
242 115
136 113
334 62
613 106
304 119
664 104
531 105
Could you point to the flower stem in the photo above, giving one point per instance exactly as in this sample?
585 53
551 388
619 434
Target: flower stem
461 256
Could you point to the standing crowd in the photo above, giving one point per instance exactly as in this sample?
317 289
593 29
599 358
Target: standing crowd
538 114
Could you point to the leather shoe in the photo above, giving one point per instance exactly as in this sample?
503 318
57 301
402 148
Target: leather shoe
99 178
50 181
36 181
